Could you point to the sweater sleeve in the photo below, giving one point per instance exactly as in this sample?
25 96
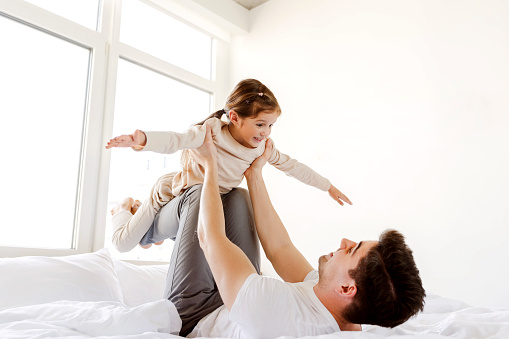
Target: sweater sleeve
299 171
171 142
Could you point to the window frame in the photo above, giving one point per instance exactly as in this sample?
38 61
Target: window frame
106 49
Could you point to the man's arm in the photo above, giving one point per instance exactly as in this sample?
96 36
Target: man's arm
288 262
229 265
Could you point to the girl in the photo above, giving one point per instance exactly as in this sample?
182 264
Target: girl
251 109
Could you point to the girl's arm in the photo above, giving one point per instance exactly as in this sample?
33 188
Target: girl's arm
166 142
306 175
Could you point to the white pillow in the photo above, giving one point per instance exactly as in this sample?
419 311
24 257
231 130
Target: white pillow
141 284
36 280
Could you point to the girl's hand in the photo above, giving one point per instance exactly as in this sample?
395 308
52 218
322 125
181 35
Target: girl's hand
259 162
138 138
338 196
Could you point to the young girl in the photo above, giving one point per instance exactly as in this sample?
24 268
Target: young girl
251 109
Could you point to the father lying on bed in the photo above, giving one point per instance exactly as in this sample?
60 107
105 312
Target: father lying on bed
370 282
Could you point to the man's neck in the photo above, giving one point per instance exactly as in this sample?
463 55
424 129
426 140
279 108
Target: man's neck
335 310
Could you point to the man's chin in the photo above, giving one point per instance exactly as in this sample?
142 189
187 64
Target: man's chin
322 260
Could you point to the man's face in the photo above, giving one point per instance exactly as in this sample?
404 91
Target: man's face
333 267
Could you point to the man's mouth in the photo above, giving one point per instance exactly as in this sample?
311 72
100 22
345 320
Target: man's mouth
258 139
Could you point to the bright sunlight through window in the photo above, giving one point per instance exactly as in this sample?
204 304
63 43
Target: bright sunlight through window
148 101
74 74
156 33
83 12
43 86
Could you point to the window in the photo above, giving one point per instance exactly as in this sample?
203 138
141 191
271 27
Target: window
158 34
83 12
44 95
152 102
73 77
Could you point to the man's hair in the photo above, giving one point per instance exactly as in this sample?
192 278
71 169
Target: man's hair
389 289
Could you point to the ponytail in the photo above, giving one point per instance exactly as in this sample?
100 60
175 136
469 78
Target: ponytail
217 114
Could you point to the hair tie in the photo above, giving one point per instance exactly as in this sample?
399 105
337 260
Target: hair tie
260 94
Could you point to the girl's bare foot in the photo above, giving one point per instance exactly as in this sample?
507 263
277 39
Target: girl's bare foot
135 206
124 205
150 245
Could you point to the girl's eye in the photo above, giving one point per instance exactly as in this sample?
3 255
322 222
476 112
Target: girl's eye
259 125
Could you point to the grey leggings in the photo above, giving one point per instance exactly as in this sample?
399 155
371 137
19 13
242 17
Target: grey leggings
190 285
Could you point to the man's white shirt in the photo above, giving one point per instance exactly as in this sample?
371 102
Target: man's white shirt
269 308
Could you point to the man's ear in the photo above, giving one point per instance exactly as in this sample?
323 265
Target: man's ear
346 290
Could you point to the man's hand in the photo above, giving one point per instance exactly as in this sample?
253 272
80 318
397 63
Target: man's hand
138 138
206 154
259 162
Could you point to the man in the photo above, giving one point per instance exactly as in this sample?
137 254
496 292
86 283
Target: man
371 282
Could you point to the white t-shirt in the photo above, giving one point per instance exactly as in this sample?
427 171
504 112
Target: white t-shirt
269 308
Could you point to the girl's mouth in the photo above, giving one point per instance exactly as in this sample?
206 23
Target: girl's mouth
258 139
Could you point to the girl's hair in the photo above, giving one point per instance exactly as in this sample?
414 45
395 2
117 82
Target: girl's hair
248 99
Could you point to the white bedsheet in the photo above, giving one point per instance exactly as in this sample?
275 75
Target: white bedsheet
442 318
75 319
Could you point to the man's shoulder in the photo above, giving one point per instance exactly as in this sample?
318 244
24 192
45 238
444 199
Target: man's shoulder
270 307
260 283
312 275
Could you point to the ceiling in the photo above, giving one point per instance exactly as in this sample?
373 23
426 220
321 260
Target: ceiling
250 4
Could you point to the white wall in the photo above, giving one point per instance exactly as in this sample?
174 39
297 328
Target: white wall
404 106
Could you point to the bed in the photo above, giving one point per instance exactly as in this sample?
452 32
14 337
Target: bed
95 296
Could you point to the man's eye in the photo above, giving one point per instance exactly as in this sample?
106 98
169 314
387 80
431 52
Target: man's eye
259 125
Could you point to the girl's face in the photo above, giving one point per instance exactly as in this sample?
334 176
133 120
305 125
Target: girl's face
250 132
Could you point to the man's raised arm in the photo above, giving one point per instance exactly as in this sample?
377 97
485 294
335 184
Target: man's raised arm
229 265
288 262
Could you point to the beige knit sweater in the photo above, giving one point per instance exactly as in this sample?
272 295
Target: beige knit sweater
233 159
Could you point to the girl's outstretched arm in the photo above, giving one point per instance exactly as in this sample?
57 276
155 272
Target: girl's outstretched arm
338 196
305 174
138 138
